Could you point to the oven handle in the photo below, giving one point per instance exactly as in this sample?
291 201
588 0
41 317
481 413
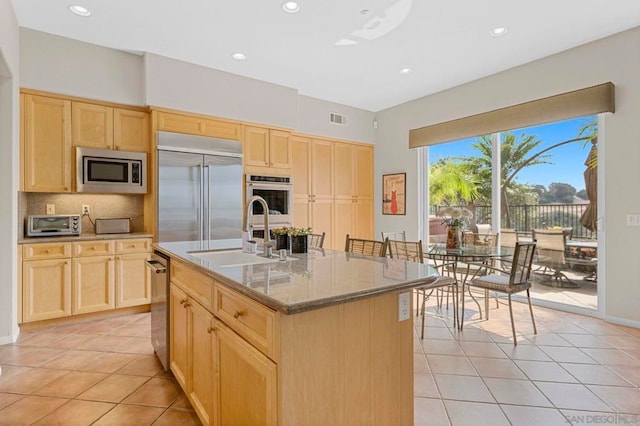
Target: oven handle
280 186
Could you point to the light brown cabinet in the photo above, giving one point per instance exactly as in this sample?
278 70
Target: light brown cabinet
179 335
46 281
63 279
268 149
195 125
46 144
104 127
333 188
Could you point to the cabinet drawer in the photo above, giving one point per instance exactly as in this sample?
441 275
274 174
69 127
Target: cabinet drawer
251 320
46 251
141 245
93 248
197 285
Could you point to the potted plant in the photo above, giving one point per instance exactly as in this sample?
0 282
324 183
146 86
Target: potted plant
299 239
281 236
454 218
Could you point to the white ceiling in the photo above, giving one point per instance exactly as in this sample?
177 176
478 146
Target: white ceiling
444 42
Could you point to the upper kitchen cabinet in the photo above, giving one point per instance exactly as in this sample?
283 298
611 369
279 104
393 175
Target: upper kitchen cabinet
45 144
196 125
268 150
353 177
105 127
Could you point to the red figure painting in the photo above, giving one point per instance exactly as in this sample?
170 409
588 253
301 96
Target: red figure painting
394 202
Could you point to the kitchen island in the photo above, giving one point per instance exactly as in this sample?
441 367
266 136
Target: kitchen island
314 339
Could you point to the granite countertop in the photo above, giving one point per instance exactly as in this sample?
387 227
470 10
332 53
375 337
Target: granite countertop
83 237
306 281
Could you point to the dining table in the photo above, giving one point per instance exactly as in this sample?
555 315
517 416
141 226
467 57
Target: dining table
463 264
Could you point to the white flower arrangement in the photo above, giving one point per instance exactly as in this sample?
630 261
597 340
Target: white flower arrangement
454 216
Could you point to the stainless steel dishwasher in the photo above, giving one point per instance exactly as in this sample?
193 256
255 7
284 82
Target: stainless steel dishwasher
159 266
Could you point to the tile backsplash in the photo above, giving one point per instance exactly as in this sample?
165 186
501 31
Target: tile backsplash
102 206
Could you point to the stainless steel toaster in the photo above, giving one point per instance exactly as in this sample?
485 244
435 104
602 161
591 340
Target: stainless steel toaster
113 226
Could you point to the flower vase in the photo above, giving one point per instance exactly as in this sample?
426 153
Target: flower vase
299 243
453 237
282 242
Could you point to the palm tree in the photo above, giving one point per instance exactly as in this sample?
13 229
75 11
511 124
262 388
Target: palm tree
452 182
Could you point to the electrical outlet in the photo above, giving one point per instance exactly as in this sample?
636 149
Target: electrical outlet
85 209
404 306
51 209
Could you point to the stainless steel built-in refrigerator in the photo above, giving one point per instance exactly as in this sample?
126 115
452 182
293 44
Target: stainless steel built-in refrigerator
199 188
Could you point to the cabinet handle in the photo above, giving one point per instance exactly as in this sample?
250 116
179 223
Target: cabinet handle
132 246
212 330
182 302
238 314
92 248
117 146
47 251
187 304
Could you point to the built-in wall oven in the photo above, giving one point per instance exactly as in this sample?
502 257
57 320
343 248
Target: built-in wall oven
277 191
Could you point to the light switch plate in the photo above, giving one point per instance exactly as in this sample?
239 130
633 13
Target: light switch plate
633 220
51 209
404 306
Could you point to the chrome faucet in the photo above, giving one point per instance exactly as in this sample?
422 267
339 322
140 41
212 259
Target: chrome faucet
268 245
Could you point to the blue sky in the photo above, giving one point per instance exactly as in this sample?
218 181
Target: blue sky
568 160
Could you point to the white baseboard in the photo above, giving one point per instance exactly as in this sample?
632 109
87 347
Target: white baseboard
622 321
5 340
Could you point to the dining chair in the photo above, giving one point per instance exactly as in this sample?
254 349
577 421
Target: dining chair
551 254
394 236
366 247
516 280
316 240
508 237
412 251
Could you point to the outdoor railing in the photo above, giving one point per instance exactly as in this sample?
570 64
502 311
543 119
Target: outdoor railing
526 217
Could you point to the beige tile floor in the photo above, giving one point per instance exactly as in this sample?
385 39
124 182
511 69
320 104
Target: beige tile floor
577 370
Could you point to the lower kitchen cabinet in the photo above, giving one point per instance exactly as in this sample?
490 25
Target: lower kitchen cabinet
193 353
93 284
248 382
46 287
64 278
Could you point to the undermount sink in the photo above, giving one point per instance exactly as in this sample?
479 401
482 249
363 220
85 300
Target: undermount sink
232 258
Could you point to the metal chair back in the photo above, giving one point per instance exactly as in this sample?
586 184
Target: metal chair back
366 247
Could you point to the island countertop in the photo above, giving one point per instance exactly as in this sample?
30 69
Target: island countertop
306 281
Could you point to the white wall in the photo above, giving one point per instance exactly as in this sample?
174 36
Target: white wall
180 85
61 65
616 59
9 127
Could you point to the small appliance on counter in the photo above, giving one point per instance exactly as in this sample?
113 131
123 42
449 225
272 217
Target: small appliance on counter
53 225
113 226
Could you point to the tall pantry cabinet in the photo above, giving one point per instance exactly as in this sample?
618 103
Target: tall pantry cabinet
333 188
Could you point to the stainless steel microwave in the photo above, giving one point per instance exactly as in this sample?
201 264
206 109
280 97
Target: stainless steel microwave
108 171
53 225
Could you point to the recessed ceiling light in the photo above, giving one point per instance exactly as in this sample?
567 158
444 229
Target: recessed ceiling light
238 56
291 7
80 10
406 70
499 31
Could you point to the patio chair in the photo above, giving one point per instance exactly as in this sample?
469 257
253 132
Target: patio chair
316 240
412 251
510 282
366 247
508 237
551 255
394 236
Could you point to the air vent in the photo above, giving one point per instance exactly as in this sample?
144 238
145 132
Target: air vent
338 119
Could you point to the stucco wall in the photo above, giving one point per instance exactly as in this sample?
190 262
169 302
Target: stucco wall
616 59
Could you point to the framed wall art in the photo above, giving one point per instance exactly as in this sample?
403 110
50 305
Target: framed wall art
394 187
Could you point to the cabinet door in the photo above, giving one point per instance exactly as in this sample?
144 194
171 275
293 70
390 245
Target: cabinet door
279 149
300 167
343 222
321 168
248 393
46 286
133 280
322 221
256 146
92 125
301 212
93 284
179 335
364 171
203 349
130 130
343 170
47 144
363 219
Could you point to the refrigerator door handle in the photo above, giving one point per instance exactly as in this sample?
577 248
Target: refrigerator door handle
207 207
201 206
